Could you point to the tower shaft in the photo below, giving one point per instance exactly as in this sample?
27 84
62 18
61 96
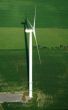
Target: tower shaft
30 65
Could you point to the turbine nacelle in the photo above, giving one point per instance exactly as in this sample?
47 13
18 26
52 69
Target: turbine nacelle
28 30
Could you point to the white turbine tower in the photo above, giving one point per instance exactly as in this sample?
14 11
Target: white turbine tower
31 31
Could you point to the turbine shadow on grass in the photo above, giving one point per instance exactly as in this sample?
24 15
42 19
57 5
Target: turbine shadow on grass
26 48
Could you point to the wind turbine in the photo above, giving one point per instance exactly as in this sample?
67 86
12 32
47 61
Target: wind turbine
31 31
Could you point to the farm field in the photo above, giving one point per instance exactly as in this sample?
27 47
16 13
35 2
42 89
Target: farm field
13 38
50 13
50 78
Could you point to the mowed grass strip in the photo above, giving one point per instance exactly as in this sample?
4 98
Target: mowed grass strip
52 37
13 38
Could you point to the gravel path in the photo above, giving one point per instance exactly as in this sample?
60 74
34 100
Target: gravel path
10 97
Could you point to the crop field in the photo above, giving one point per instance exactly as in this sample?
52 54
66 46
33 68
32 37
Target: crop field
50 13
13 38
50 79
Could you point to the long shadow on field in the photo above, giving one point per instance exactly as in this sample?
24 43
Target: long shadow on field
26 48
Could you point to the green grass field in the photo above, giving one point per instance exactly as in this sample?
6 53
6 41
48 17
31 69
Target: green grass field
51 77
50 13
13 38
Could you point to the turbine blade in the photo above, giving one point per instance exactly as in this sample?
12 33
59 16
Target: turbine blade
34 18
29 23
37 46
